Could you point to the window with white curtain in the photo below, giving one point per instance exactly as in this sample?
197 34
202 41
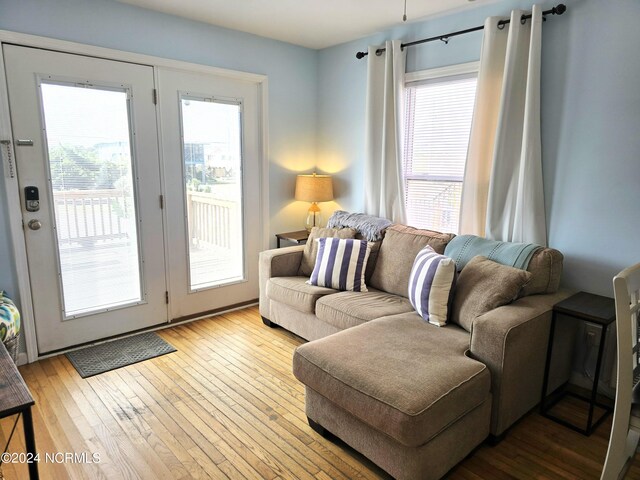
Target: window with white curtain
438 111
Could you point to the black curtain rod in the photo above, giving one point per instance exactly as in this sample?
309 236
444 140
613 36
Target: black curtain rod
557 10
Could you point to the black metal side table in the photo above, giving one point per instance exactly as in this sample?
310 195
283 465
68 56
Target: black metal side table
15 398
588 308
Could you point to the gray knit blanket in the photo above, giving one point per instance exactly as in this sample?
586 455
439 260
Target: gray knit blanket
370 227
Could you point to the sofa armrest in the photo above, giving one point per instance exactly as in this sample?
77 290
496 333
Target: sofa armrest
512 341
279 262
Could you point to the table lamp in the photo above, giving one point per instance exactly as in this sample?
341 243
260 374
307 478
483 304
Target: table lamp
314 188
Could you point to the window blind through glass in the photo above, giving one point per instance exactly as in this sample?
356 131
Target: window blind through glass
438 115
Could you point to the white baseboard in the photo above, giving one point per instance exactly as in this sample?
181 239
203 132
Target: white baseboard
22 359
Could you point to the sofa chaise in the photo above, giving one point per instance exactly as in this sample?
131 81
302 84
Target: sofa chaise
414 398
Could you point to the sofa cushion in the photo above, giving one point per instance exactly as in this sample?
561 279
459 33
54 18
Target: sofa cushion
545 264
341 264
431 284
399 248
296 292
546 269
373 258
482 286
349 309
398 374
311 247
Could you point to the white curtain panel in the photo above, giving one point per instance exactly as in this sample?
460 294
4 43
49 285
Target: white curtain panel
383 184
502 193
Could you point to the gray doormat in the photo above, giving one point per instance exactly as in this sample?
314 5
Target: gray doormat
108 356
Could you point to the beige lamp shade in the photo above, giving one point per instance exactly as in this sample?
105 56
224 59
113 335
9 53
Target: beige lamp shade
314 188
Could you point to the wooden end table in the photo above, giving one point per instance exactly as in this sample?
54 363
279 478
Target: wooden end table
299 238
590 308
15 398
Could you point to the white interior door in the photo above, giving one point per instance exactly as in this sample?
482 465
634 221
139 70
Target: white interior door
211 150
86 139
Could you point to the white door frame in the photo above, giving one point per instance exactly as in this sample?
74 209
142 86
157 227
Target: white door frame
11 182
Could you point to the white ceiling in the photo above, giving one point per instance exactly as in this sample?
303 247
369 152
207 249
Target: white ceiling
310 23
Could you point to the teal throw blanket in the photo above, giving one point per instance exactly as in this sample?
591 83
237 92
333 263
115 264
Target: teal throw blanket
464 247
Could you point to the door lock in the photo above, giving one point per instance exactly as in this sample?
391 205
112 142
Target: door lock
35 224
32 199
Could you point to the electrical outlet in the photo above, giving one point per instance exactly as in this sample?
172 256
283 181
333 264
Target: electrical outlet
593 332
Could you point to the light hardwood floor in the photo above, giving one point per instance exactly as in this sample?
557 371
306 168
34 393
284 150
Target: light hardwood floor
226 405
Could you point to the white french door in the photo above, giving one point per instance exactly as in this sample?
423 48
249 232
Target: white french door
211 154
88 168
90 146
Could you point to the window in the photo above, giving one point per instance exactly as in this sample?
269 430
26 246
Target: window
212 136
438 114
92 174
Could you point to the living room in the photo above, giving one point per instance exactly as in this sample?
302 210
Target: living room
227 403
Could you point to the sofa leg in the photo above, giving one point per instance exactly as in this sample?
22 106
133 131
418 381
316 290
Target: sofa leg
494 440
319 429
269 323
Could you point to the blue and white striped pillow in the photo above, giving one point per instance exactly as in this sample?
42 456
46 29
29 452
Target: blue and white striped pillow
431 284
341 264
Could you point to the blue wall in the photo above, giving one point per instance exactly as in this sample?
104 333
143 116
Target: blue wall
590 123
292 73
8 278
590 109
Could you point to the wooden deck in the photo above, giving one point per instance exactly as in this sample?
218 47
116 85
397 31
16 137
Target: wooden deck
111 268
96 232
226 405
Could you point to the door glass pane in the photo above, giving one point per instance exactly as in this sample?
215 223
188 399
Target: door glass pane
212 165
88 136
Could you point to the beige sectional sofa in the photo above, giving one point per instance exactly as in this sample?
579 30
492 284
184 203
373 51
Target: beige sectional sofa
412 397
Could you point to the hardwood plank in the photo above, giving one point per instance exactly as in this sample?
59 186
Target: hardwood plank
65 431
120 452
246 403
244 426
227 406
163 462
175 437
208 423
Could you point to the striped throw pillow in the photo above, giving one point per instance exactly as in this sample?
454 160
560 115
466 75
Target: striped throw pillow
431 285
341 264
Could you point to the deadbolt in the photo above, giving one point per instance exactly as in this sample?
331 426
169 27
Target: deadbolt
35 224
32 199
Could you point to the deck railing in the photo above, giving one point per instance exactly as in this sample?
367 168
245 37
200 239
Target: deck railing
212 220
91 215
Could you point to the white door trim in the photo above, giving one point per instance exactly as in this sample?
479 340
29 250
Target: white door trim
11 183
16 228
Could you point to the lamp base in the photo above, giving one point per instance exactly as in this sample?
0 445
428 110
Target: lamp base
314 217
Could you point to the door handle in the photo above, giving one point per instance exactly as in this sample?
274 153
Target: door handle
35 224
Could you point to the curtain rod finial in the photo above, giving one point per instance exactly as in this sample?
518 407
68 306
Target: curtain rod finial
360 55
559 9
